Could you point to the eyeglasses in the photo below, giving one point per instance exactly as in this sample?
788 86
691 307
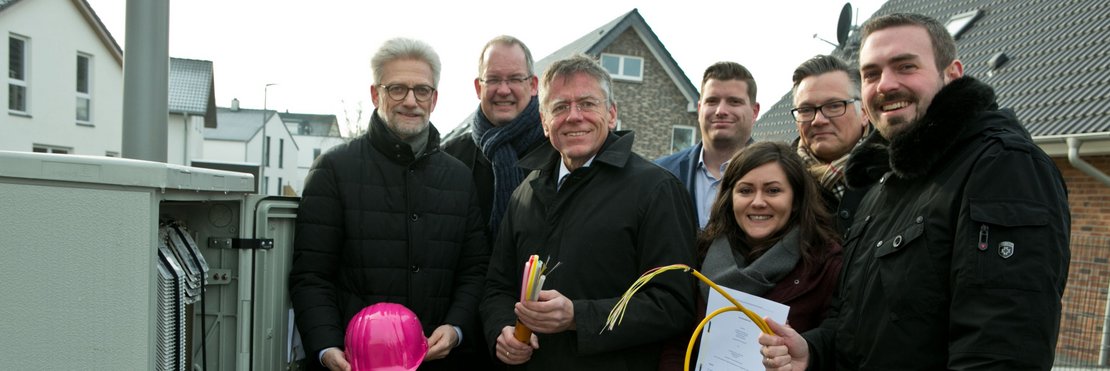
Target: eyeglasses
829 110
399 92
512 82
588 105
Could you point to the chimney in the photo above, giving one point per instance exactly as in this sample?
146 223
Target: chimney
234 104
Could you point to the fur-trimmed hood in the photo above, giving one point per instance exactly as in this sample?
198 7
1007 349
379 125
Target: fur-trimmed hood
950 117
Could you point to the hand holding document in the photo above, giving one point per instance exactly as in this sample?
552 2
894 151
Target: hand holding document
535 272
728 341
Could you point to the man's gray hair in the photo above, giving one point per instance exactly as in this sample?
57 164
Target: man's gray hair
567 67
405 48
506 40
823 64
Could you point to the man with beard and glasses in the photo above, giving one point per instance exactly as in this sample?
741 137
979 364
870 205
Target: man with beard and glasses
830 120
387 217
958 255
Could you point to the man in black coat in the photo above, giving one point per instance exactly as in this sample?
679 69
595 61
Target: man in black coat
504 128
606 215
387 217
958 255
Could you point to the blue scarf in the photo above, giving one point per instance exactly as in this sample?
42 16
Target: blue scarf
503 146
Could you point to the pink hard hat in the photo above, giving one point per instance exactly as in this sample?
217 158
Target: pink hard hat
385 337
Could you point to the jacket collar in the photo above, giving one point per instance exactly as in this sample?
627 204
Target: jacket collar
953 116
616 151
392 146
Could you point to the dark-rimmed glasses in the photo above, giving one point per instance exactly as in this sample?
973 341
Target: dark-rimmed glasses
829 110
399 92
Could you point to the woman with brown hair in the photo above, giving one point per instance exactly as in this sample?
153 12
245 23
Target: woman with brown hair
770 235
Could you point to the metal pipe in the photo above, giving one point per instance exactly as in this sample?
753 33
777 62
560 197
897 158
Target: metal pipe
1084 166
146 65
1064 137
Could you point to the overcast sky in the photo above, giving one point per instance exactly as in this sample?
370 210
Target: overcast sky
318 52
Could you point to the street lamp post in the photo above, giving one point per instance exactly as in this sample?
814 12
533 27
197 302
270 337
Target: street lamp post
265 143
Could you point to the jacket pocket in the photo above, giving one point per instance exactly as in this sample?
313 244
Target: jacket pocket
1008 213
908 275
899 241
1011 239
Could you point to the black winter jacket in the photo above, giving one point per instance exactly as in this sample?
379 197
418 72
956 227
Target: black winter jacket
958 255
377 225
608 224
462 147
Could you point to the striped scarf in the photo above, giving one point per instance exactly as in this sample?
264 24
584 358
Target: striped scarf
503 146
829 175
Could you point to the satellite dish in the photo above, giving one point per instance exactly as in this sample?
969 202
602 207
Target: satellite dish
845 24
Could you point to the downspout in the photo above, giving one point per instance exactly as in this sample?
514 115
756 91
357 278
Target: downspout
185 155
1074 141
1084 166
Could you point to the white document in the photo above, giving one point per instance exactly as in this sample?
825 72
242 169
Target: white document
730 340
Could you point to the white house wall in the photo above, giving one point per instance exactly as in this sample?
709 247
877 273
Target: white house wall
287 173
305 158
251 152
56 33
225 151
185 138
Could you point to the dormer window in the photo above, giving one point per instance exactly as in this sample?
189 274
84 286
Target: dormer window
623 67
961 22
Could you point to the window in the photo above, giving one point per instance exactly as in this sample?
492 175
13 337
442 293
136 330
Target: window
46 148
961 22
111 154
682 137
303 129
265 185
281 155
315 153
17 74
84 97
623 67
266 152
279 186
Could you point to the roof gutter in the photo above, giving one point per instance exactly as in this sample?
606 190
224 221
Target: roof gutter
1073 142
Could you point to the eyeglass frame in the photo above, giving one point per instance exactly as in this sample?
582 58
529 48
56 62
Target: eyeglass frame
821 108
497 81
415 95
597 105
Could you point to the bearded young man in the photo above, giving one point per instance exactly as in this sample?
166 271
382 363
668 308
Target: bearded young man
958 255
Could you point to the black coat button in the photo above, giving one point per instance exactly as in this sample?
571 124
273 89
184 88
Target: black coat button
415 217
415 269
844 214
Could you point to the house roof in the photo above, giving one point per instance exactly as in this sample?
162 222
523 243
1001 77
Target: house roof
1057 78
94 20
320 124
237 125
191 85
594 42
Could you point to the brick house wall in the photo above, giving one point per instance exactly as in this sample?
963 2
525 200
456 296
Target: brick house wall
650 107
1084 303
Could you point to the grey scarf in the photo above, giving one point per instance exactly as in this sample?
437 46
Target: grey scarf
729 268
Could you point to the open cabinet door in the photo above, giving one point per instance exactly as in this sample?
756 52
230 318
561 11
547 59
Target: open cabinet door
270 344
